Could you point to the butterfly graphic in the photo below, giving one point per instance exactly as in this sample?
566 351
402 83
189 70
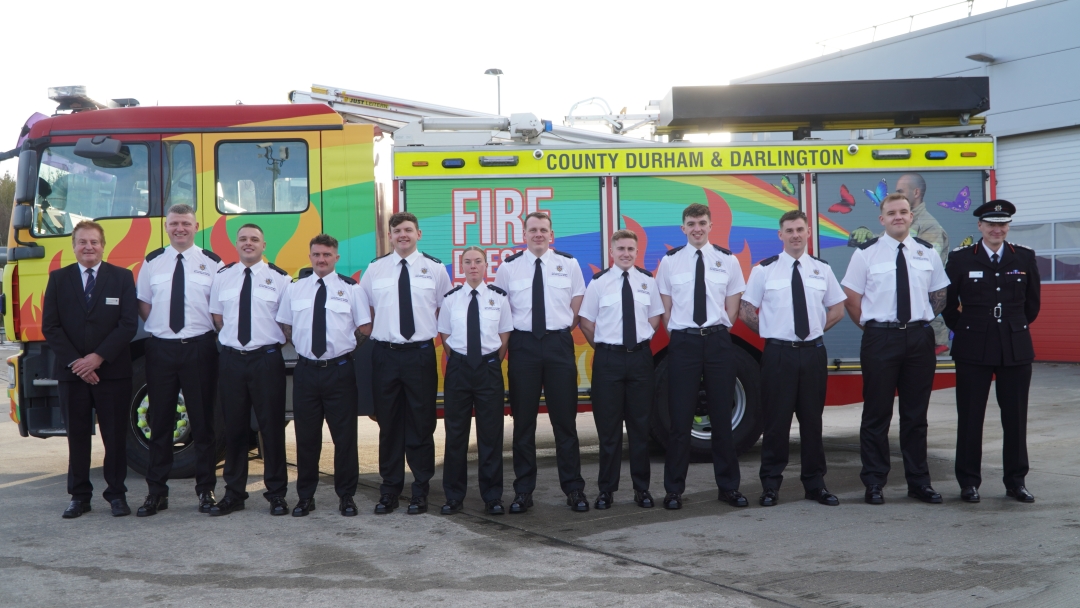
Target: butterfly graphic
961 203
967 241
847 201
785 187
878 194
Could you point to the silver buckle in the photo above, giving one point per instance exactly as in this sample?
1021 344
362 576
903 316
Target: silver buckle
997 311
322 363
901 326
794 345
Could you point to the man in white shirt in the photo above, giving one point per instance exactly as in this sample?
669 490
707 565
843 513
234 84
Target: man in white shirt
895 286
404 290
244 304
799 300
545 288
475 326
181 355
619 315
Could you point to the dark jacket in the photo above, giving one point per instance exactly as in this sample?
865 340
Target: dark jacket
74 329
990 309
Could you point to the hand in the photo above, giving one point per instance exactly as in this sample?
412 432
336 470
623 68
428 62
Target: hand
859 236
90 378
89 363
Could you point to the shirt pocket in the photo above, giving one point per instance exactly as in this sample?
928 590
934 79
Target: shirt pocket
882 275
777 285
159 287
201 280
384 292
921 270
228 294
558 282
520 285
611 299
682 283
339 314
269 309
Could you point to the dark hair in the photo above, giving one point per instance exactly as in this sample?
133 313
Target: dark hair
895 196
401 217
540 215
255 226
181 209
325 240
696 210
88 225
623 234
794 214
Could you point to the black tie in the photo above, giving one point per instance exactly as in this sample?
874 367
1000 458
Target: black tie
903 288
318 322
629 322
88 291
176 306
994 259
539 315
404 296
700 315
798 303
243 332
472 347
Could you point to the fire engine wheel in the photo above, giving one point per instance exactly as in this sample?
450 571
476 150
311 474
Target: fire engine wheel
138 437
746 415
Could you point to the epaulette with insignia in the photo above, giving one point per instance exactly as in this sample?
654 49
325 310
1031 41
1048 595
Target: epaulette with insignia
453 290
497 290
211 255
674 250
513 257
346 279
155 253
277 270
563 254
305 273
380 257
721 249
962 247
922 242
226 267
600 274
826 262
643 271
768 261
869 243
432 258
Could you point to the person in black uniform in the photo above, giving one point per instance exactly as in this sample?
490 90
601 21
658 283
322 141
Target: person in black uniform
89 318
992 301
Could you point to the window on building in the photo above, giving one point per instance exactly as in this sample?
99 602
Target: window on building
262 177
1057 248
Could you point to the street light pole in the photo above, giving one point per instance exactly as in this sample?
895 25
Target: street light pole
497 73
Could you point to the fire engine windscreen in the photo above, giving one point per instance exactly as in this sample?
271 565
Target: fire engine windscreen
262 177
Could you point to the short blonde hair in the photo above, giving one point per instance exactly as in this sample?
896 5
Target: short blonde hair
623 234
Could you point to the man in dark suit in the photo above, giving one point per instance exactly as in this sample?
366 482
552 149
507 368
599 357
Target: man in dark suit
992 300
89 319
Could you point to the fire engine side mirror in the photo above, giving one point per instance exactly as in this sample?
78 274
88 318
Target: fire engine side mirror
26 178
22 217
97 147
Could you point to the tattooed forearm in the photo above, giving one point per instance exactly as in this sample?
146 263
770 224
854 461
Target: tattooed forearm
937 301
749 315
287 330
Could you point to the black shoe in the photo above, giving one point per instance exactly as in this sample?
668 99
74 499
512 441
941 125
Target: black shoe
769 497
206 501
604 500
875 495
451 507
969 494
76 508
643 499
278 506
522 502
226 506
387 503
494 507
152 505
417 505
577 501
120 507
823 496
925 494
733 498
1020 493
673 501
305 506
347 506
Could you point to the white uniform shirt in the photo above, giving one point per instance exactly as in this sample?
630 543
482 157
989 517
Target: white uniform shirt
603 305
345 311
268 286
495 318
676 276
769 289
428 282
562 282
155 288
872 273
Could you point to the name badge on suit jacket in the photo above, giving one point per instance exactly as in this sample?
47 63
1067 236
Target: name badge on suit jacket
112 301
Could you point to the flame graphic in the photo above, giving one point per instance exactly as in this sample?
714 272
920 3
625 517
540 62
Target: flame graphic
220 243
642 238
721 229
131 250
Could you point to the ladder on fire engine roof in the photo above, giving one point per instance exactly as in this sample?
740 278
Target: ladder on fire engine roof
445 125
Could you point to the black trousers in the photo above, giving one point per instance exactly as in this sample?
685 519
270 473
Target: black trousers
325 394
404 385
691 358
467 390
896 361
256 380
544 365
172 367
793 382
111 400
622 390
972 389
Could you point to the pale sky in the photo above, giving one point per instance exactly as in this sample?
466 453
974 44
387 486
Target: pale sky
552 53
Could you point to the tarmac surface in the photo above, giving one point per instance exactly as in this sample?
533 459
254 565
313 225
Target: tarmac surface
798 553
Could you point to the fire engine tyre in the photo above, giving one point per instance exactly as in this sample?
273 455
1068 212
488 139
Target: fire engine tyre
747 418
138 446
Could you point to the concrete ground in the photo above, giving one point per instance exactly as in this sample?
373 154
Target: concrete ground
798 553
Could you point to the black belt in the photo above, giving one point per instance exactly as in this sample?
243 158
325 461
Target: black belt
701 331
207 336
403 346
269 348
894 325
622 349
787 343
453 354
549 331
323 362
